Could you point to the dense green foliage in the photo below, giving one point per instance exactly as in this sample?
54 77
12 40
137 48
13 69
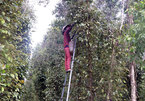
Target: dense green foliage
46 73
99 60
14 49
101 69
103 54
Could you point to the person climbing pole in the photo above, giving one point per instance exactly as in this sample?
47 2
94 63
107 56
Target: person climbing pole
65 31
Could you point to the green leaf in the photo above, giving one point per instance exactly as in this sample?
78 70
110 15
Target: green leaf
2 84
16 75
10 59
3 13
2 21
3 31
12 75
2 89
8 19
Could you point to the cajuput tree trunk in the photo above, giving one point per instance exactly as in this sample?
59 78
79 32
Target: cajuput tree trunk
132 62
133 81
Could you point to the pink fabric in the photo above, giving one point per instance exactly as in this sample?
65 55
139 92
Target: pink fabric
67 58
67 36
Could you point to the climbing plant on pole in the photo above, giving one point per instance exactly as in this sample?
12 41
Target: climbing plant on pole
14 49
96 37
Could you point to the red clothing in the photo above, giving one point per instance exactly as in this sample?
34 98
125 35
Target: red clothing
67 58
66 48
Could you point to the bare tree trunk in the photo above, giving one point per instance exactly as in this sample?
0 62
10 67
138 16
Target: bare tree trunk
132 64
133 82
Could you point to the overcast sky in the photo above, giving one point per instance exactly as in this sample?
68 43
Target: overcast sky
44 18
